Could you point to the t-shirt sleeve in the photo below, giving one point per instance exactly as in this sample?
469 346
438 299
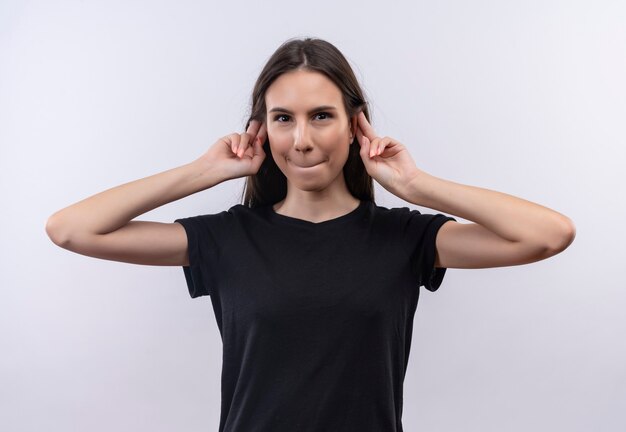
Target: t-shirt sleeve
420 234
203 246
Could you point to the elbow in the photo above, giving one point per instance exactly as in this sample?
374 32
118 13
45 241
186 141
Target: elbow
57 231
563 236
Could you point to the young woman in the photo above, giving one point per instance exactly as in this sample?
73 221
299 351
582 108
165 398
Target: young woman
313 285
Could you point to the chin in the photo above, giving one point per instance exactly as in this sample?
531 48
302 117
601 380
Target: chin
311 183
311 187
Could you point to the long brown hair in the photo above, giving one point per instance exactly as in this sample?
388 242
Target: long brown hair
269 184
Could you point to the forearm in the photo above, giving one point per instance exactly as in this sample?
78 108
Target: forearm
509 217
113 208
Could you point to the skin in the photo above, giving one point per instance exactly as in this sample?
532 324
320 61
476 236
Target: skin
503 231
300 137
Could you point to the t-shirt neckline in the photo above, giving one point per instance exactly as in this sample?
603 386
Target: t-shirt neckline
280 218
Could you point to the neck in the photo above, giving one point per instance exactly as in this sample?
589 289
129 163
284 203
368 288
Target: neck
316 206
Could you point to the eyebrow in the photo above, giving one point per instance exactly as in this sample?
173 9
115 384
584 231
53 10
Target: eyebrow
319 108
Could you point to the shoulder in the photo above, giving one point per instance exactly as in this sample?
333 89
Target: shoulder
410 223
390 222
237 210
216 219
393 214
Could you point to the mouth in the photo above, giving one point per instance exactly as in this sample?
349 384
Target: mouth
305 166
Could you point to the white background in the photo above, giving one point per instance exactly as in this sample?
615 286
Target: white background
523 97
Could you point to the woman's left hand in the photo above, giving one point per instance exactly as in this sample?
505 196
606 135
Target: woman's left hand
388 161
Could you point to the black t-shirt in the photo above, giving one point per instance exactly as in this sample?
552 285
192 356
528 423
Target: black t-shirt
315 318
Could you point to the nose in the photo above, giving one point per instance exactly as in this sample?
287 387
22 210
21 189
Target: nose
301 140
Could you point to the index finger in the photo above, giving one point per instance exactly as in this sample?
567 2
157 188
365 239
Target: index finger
366 127
262 133
253 127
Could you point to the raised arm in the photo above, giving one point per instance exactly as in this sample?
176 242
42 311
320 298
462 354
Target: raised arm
505 230
101 226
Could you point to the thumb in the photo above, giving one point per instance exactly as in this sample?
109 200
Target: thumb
363 141
257 145
257 150
365 150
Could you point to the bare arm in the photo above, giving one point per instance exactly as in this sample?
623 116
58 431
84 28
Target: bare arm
507 230
101 226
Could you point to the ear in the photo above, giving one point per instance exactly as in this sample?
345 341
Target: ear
353 125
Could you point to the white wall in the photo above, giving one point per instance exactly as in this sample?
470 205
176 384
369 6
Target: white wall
524 97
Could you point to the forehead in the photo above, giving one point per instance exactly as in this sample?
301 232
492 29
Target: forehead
302 89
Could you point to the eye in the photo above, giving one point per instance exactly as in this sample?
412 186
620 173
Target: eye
276 118
327 115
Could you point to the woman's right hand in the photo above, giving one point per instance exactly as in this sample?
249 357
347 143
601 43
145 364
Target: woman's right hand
238 155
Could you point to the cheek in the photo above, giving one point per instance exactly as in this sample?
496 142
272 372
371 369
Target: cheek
279 142
329 135
335 141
